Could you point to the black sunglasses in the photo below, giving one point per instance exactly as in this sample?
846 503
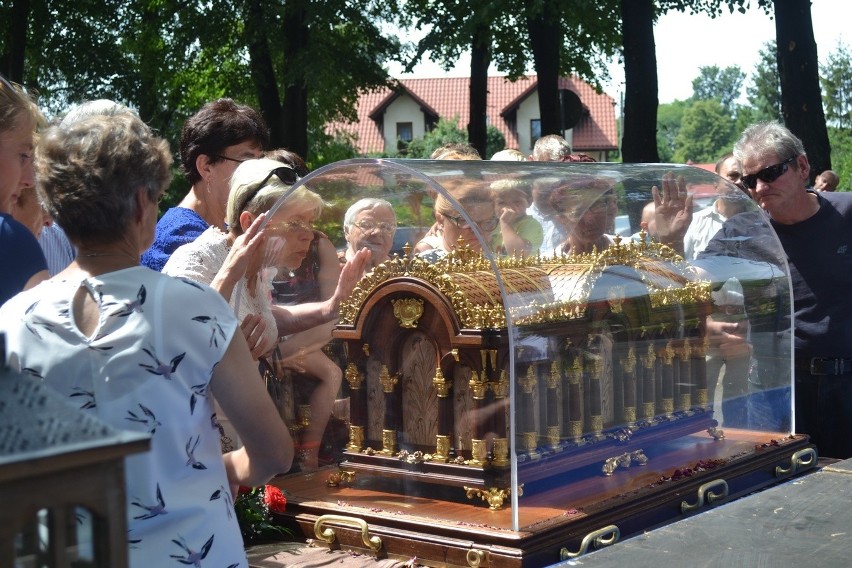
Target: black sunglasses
767 174
286 174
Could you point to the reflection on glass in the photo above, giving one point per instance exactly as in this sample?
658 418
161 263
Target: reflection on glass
521 331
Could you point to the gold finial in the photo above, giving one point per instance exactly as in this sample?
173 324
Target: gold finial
387 381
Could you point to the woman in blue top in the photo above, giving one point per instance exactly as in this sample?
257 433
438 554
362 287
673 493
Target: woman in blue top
213 142
21 259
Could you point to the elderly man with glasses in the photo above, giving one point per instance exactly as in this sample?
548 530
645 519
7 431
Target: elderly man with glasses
815 231
369 223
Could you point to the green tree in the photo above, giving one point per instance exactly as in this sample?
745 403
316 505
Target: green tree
447 131
669 120
837 86
724 85
707 131
841 155
764 92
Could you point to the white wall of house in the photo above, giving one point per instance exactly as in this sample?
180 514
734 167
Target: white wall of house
527 111
403 109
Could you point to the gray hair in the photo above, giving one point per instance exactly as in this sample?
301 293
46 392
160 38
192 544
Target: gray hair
768 137
551 148
89 173
363 205
88 109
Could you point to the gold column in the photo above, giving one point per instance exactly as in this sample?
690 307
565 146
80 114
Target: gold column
649 407
388 383
575 401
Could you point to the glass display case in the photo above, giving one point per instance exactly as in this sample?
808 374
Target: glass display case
538 370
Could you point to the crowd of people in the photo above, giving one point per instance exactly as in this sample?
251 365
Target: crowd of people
173 318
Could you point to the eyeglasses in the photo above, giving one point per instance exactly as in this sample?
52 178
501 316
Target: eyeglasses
768 174
367 226
237 160
486 226
286 174
290 226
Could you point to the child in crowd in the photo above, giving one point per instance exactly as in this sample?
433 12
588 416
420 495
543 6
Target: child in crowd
520 234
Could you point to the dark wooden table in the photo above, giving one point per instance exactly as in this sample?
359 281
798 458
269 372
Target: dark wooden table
804 522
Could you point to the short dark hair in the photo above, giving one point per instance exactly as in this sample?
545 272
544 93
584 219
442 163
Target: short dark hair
721 161
290 158
216 126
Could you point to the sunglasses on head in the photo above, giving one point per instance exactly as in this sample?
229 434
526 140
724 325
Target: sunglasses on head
286 174
767 174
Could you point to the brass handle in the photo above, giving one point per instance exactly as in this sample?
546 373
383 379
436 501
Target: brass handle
595 539
704 492
474 557
327 535
800 461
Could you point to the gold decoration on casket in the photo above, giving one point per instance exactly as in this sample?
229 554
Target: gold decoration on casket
354 377
356 438
442 386
340 477
407 311
470 282
493 496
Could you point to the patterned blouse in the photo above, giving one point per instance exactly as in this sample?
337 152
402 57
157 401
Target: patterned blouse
147 368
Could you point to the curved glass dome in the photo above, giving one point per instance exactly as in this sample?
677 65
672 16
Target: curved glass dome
518 331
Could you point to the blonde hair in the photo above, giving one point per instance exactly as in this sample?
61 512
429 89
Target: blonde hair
16 106
246 196
504 186
509 155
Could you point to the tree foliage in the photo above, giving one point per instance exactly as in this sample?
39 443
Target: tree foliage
837 87
447 131
669 120
764 92
723 85
706 130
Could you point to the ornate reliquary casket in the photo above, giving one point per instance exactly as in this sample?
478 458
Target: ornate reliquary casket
610 352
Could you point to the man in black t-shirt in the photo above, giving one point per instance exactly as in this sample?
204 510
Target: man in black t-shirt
815 230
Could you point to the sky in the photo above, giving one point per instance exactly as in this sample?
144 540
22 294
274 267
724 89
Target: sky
686 42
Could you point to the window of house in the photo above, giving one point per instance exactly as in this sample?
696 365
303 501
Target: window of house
404 131
535 130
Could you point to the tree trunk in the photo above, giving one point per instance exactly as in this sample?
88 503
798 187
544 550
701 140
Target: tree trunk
545 42
12 58
798 70
639 142
295 32
480 60
263 72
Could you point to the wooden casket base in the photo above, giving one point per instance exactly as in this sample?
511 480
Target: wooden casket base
374 515
547 462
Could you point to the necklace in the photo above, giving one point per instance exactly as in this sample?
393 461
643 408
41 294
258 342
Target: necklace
94 254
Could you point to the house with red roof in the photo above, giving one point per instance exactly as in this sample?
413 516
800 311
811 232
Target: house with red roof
386 116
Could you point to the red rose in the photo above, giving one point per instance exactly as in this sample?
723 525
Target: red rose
274 499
